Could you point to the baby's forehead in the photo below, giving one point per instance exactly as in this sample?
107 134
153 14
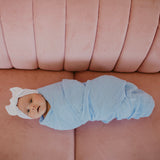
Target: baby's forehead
23 100
25 97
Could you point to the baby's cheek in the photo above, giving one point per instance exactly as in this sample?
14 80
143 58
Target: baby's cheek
41 99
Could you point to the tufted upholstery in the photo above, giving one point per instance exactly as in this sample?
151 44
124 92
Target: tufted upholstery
99 35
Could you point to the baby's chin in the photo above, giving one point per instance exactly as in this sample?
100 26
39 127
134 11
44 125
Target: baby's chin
37 116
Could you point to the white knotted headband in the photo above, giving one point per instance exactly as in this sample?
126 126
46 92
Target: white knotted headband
17 92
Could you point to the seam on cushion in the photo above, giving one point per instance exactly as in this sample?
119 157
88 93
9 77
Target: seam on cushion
74 74
158 25
34 34
5 41
74 144
129 17
95 35
65 35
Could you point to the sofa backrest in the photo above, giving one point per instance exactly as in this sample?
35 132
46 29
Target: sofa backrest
98 35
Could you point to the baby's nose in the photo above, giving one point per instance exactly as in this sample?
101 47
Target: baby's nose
33 107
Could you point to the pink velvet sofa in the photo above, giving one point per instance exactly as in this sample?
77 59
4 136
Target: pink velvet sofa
44 41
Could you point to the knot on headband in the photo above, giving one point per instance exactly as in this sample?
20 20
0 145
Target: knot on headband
17 92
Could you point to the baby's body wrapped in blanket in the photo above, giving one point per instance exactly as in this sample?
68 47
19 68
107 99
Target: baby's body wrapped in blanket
102 99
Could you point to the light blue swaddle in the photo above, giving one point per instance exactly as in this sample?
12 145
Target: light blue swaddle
102 99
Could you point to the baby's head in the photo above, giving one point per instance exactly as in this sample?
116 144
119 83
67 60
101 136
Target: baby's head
26 103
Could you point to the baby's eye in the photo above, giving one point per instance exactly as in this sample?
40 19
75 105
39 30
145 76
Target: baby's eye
30 100
28 110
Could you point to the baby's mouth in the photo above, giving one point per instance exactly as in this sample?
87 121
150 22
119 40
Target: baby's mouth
38 109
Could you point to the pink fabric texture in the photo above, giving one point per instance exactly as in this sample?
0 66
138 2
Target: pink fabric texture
17 23
111 30
126 139
49 27
22 139
99 35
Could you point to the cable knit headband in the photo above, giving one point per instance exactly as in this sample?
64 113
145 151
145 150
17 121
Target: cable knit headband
17 92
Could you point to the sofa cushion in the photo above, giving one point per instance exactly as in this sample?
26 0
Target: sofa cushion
27 139
125 139
104 35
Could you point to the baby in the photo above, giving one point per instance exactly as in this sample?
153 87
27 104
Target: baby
68 104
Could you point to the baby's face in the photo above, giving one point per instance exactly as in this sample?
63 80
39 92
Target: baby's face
33 105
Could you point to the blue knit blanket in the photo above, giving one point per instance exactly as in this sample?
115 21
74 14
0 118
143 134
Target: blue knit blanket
102 99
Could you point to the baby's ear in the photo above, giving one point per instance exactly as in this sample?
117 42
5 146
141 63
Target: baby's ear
15 89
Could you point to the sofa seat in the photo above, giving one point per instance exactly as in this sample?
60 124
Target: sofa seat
125 139
118 140
22 139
